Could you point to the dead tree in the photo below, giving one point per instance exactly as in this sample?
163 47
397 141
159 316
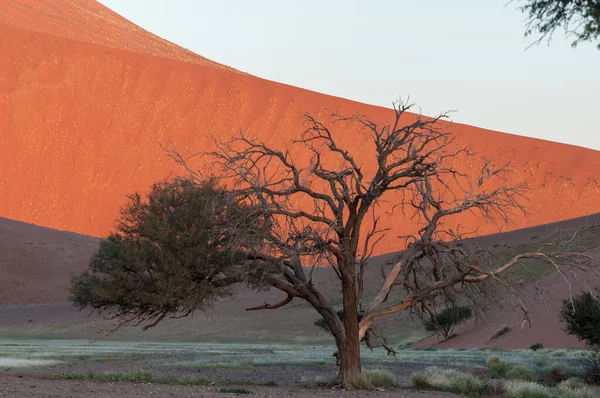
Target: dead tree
326 213
415 161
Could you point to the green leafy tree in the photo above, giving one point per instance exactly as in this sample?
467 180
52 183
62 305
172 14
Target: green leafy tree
582 318
580 19
173 253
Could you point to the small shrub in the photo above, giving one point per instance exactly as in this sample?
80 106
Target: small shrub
236 390
498 367
502 331
380 378
559 353
271 384
536 346
582 318
559 371
575 388
420 380
519 373
449 380
362 383
375 378
526 389
591 366
447 319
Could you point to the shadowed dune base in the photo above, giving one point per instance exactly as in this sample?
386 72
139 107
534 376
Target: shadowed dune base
36 264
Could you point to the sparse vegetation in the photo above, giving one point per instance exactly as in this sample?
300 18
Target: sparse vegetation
559 371
141 376
497 366
470 385
445 321
449 381
234 390
536 346
519 373
502 331
375 378
591 366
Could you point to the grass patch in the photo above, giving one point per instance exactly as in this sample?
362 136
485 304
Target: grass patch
450 381
470 385
140 376
375 378
236 390
497 366
519 373
559 371
567 389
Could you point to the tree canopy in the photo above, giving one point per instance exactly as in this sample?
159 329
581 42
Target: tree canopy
582 318
580 19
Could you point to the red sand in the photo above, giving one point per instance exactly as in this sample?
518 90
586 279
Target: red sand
87 97
545 325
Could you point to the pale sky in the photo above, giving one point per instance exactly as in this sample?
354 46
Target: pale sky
466 55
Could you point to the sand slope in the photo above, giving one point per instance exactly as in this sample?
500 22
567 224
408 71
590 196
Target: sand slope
87 97
36 263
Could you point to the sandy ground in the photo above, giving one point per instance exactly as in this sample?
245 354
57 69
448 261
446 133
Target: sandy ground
26 386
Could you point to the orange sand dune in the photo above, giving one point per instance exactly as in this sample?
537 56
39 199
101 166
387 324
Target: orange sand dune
85 101
90 21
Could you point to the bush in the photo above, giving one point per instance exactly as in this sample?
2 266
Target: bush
519 373
445 321
591 366
450 381
526 389
380 378
559 353
582 318
559 371
498 367
375 378
503 330
536 346
575 388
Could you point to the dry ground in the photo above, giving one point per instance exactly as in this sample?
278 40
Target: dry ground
27 386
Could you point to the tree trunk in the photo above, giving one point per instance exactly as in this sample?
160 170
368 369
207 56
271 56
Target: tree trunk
349 345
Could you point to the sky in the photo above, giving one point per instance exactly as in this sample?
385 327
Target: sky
470 56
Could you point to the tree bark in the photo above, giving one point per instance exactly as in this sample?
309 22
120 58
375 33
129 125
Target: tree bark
349 345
